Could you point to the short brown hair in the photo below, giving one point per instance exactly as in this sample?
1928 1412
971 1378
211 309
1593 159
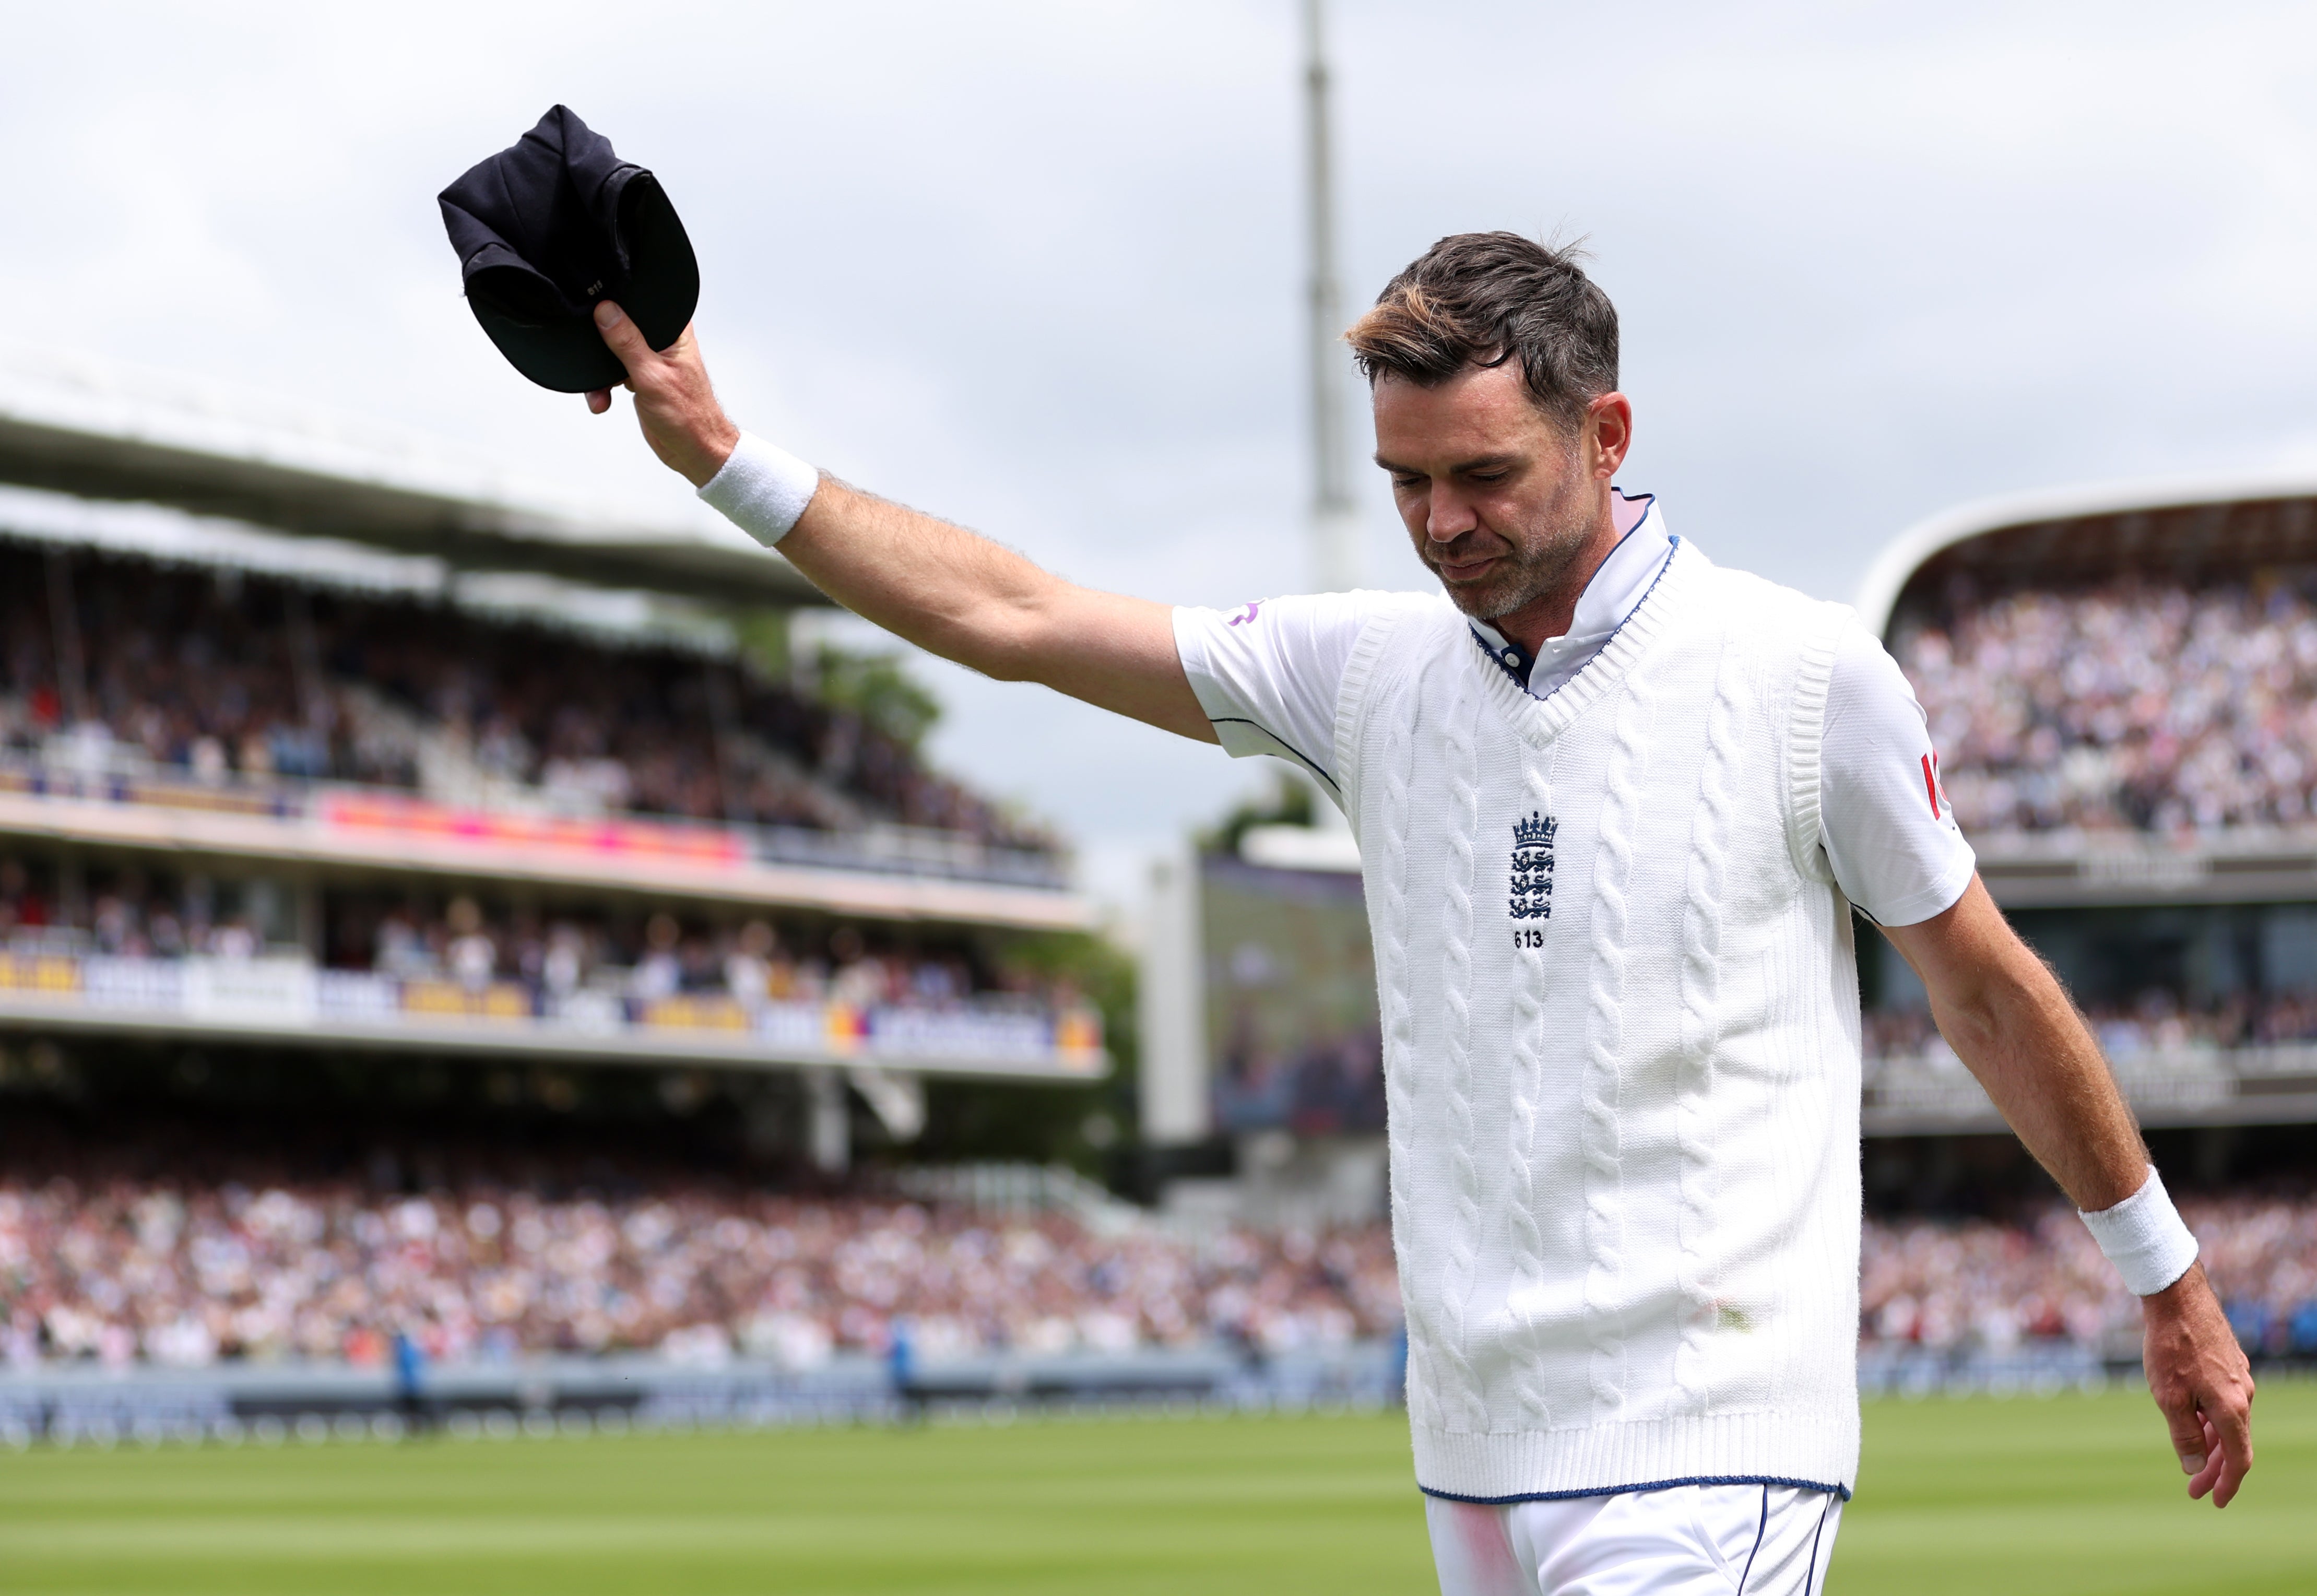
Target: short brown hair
1483 299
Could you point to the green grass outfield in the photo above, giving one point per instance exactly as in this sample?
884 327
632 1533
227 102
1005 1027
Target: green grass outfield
2071 1493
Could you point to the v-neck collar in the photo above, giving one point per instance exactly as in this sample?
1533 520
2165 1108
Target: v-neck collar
1615 587
1541 720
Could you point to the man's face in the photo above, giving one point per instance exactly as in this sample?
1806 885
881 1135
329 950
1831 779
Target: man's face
1499 500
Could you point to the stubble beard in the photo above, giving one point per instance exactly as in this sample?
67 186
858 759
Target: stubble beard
1526 573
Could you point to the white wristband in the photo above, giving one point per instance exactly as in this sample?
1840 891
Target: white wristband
2144 1237
762 490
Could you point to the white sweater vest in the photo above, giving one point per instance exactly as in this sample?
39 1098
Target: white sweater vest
1621 1045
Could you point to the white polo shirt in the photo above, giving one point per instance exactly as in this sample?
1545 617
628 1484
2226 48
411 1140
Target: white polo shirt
1268 675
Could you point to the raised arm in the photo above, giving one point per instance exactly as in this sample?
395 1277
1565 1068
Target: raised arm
937 585
2005 1014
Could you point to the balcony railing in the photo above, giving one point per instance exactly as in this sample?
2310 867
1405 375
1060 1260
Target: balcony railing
533 821
286 998
2227 865
1931 1092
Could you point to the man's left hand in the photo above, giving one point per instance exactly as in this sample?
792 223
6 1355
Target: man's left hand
2200 1379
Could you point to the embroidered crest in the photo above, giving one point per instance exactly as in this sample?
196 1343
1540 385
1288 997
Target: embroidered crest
1532 871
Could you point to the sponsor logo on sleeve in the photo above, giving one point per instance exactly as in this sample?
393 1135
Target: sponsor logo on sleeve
1246 616
1936 789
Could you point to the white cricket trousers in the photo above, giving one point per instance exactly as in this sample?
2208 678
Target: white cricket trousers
1684 1540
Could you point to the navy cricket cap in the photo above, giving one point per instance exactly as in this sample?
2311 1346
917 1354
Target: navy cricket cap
551 226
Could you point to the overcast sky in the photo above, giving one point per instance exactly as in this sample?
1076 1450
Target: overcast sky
1038 266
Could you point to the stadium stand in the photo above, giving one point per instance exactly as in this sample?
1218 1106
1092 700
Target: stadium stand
184 1274
120 1245
378 769
1954 1287
330 879
2158 704
2122 686
156 944
132 917
240 682
371 826
2154 1020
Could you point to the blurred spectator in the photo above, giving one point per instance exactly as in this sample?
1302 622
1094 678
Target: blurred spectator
748 968
473 957
657 974
402 950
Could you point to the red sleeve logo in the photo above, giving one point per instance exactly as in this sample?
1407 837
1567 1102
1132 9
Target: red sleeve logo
1933 788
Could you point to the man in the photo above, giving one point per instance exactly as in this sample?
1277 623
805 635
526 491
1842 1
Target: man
1615 805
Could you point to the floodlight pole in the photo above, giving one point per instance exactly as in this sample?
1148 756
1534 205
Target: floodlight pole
1335 523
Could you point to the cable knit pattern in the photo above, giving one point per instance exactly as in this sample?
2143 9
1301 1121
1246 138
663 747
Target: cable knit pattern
1624 1135
1805 730
1398 1015
1605 1209
1456 1086
1701 1022
1520 1150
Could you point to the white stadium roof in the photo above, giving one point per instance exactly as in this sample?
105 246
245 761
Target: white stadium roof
97 430
2242 518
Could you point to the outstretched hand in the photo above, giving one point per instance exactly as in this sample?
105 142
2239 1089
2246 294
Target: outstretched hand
675 404
2200 1379
938 586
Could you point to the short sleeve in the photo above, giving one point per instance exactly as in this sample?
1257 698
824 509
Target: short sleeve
1268 673
1890 835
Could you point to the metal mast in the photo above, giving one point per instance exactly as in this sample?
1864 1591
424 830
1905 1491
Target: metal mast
1335 522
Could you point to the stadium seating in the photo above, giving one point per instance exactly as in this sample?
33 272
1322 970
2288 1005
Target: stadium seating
245 683
187 1272
2130 704
1983 1285
2154 1021
143 944
132 917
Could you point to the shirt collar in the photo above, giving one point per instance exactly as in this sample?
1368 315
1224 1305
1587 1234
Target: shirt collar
1613 593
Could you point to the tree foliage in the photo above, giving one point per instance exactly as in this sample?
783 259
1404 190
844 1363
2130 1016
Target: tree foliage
1289 803
875 684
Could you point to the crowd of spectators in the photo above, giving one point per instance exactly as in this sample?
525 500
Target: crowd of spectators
229 678
2156 1021
751 963
2131 704
1985 1285
642 958
187 1274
